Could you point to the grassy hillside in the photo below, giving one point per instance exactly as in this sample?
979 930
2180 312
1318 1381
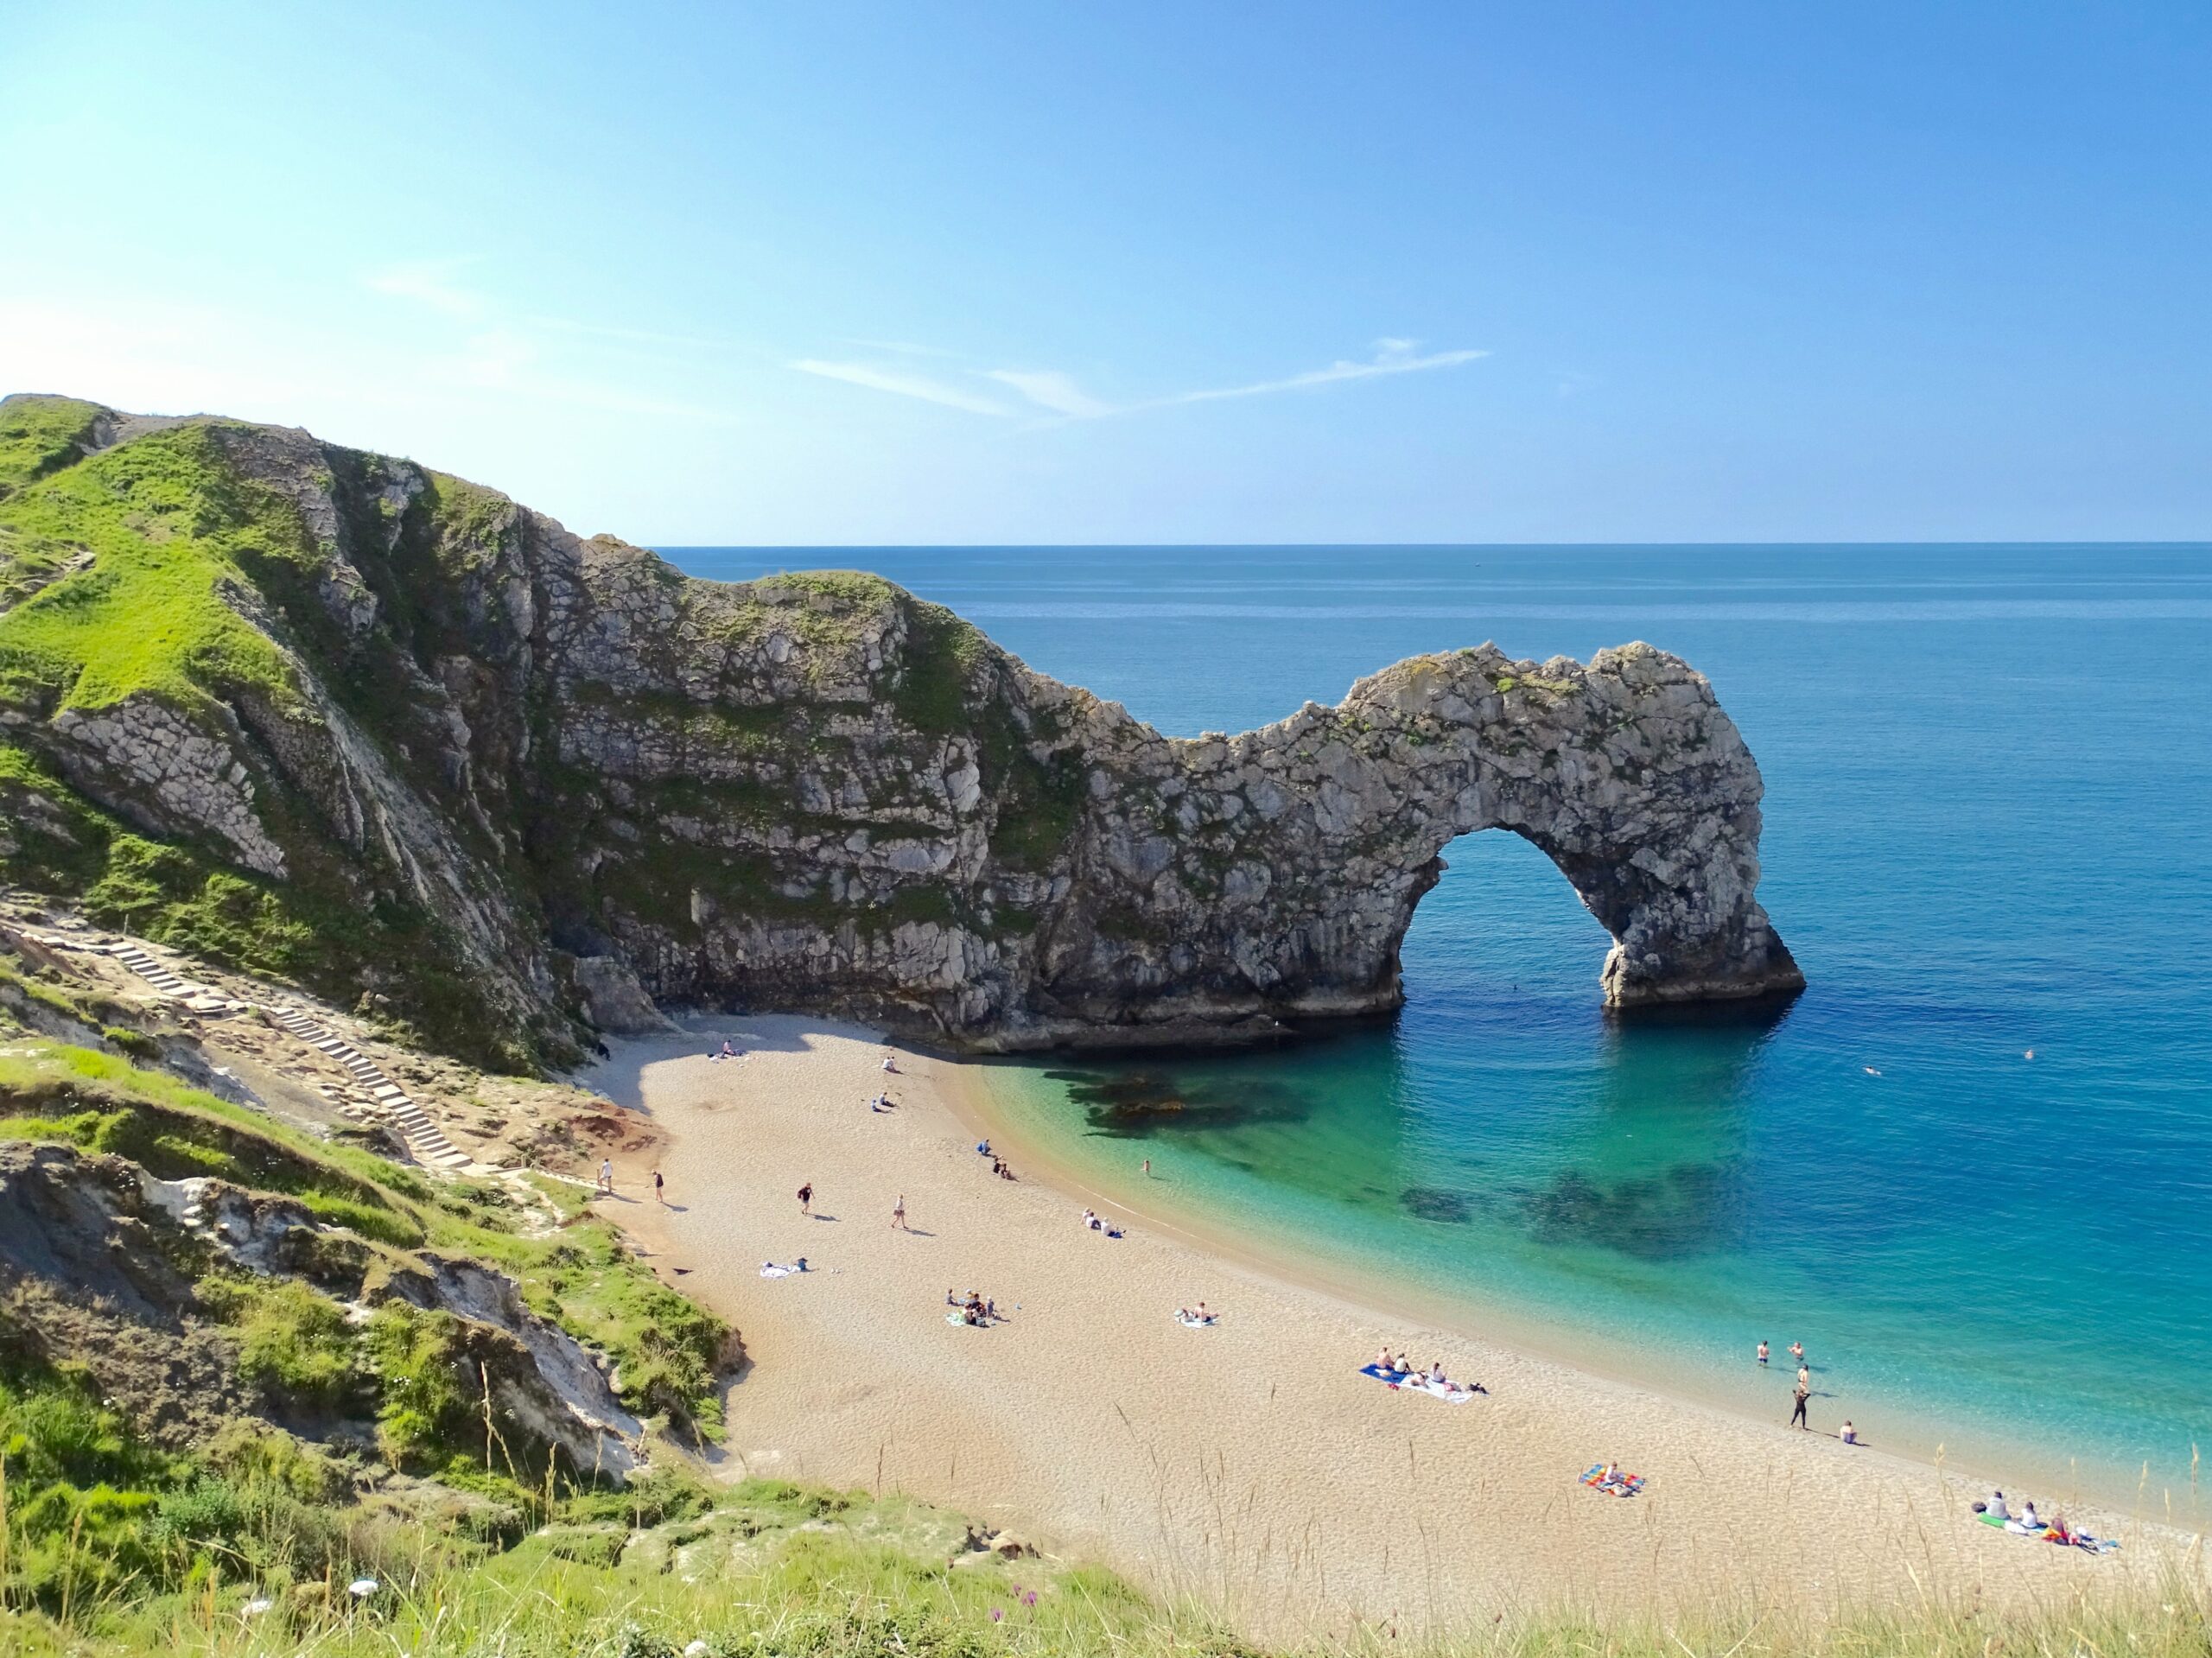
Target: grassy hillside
577 1274
248 1553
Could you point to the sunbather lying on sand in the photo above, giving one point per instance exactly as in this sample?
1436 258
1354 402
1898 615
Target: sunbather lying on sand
1607 1478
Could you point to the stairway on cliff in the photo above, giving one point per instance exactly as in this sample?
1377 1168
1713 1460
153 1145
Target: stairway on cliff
389 1105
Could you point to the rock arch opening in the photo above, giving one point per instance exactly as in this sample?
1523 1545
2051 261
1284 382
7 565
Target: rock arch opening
1502 921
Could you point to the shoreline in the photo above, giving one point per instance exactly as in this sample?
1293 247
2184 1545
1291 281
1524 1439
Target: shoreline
1371 1294
1917 1438
1251 1465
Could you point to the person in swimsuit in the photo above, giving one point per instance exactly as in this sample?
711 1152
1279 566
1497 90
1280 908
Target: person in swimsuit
1850 1434
806 1198
1761 1353
659 1186
1797 1352
1798 1412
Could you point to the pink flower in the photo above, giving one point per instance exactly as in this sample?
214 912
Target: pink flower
997 1615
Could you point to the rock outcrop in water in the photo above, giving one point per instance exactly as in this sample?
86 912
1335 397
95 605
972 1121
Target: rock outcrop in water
407 739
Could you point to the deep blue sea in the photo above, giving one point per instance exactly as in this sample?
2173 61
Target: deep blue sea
1988 836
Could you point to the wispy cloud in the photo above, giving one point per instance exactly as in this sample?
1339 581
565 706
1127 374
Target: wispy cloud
1391 357
430 283
1049 389
1057 393
629 336
898 348
902 384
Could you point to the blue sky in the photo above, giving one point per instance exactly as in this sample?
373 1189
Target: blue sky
912 273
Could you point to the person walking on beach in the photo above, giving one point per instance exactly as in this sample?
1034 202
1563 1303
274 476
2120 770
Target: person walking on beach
1761 1354
806 1198
658 1185
606 1174
1798 1412
898 1214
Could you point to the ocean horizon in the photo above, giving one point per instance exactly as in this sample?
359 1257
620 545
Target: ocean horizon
1968 1168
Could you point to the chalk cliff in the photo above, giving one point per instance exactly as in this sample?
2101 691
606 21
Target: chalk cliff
394 734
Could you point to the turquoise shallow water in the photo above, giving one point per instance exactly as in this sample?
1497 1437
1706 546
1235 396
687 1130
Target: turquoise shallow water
1988 831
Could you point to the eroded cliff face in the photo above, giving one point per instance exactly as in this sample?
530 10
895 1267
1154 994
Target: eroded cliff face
533 752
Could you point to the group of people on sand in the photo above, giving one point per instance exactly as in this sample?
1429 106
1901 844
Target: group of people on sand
883 1102
2025 1522
1096 1222
1000 1166
1401 1369
1198 1315
728 1051
975 1309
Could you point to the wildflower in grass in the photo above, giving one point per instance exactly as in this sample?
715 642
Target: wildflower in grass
997 1614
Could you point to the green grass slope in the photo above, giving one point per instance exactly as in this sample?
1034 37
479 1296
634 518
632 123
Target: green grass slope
580 1276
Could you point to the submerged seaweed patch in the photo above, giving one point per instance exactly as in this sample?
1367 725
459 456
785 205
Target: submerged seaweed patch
1133 1104
1437 1203
1692 1209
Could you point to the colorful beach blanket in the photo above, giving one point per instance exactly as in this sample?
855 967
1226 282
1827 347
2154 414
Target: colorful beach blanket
1619 1485
2079 1539
1413 1381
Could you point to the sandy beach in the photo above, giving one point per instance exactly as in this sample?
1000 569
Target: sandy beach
1249 1464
